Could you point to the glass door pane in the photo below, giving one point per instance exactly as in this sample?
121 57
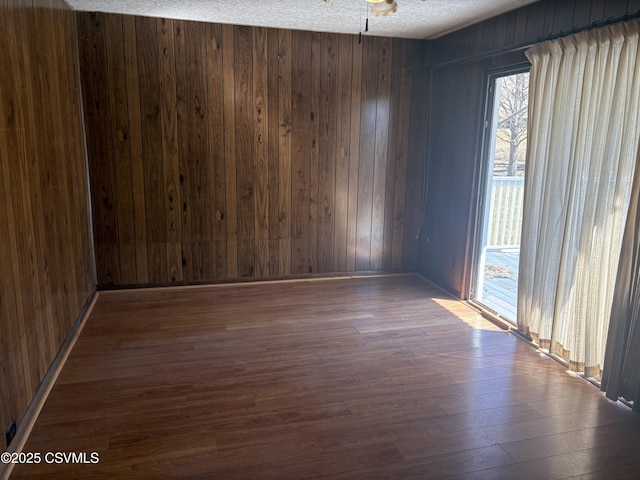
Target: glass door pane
495 282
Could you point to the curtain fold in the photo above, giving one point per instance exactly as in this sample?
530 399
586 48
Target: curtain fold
584 129
621 374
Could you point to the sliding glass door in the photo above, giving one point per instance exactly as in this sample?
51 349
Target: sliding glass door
495 273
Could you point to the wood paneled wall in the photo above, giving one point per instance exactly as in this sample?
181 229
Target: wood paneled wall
45 247
460 64
218 151
536 22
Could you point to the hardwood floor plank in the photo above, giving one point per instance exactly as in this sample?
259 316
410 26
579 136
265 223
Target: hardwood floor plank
558 466
568 442
624 472
435 467
563 405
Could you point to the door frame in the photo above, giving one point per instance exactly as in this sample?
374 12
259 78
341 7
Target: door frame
484 167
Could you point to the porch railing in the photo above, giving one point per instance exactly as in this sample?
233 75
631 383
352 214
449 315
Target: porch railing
505 214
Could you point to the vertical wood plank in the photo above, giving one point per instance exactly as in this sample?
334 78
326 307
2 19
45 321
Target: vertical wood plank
99 148
273 191
74 288
401 154
550 14
354 153
245 193
581 14
197 161
490 29
474 46
188 183
135 144
148 68
13 382
563 19
327 154
285 187
366 164
9 324
510 31
393 150
536 14
314 158
261 151
521 26
6 415
614 9
597 11
300 149
53 189
170 159
37 173
633 6
343 151
30 378
380 154
500 33
216 94
228 53
182 126
11 315
114 41
416 153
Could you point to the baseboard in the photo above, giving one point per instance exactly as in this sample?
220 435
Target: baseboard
307 277
35 407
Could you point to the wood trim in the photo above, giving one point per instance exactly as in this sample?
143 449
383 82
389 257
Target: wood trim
266 281
491 315
242 280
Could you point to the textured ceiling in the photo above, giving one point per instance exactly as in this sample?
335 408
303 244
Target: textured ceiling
414 18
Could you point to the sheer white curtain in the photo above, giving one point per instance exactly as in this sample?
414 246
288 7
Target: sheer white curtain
584 128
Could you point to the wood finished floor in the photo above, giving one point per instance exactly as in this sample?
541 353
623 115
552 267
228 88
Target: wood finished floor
364 378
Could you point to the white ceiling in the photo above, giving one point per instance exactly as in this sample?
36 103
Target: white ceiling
414 18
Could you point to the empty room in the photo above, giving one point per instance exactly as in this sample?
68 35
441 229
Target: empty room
329 239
